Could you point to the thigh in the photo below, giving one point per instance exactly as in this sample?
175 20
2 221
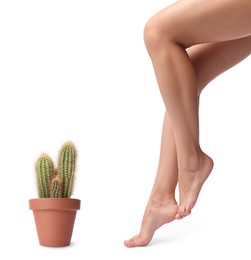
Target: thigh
211 59
190 22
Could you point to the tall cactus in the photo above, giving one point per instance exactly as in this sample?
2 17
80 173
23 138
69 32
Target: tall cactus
44 171
66 167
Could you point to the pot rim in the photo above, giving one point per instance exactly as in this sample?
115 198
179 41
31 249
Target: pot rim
54 203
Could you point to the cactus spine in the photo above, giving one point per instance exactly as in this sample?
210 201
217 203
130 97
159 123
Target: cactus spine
66 167
45 171
57 183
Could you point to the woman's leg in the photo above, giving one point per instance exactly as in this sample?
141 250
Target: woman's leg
167 37
209 61
162 206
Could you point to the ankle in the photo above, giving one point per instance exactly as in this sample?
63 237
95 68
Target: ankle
192 163
158 200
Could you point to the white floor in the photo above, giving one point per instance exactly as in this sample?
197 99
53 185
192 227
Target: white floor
218 228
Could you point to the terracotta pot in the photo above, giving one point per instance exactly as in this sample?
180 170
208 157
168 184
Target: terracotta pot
54 219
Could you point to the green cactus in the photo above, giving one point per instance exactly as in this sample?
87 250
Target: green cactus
44 171
56 183
56 187
66 167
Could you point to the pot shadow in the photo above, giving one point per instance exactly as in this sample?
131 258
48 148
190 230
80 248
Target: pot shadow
68 247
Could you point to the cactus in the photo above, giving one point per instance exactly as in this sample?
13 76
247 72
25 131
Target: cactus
44 171
57 183
66 167
56 186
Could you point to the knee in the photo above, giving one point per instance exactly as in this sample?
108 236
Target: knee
157 34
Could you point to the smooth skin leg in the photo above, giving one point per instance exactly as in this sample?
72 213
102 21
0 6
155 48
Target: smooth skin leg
167 37
162 206
209 60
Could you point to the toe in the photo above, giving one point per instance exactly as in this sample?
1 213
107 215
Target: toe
188 211
128 243
179 216
183 212
137 241
131 242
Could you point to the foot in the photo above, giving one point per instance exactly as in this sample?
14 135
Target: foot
190 184
156 215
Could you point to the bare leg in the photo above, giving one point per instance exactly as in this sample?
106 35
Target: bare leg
162 206
209 60
167 38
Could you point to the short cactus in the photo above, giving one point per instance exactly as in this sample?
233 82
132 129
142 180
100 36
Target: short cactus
66 167
56 187
57 183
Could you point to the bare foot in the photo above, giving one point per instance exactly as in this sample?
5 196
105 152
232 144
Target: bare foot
190 184
155 216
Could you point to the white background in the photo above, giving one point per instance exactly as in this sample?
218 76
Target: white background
78 70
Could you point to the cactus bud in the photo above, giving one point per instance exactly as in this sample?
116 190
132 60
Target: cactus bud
56 186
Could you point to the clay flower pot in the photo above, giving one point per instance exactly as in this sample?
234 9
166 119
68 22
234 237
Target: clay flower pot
54 219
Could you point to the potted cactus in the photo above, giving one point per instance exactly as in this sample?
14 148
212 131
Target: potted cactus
55 211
